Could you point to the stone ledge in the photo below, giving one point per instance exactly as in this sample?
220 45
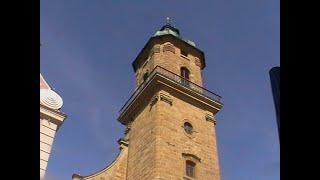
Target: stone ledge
211 119
166 98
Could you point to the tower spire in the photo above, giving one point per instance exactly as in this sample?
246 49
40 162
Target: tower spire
169 26
168 21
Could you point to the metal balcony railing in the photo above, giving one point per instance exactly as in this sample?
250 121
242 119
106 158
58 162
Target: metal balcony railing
158 70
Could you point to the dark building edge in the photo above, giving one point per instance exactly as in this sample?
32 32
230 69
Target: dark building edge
275 85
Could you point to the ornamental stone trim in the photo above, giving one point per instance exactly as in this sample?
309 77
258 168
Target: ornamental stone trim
166 98
50 99
191 157
155 49
128 128
197 61
154 100
169 47
210 118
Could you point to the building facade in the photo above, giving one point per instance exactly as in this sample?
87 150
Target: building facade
170 118
51 118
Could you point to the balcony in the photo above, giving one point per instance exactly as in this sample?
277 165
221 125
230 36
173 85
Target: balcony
175 78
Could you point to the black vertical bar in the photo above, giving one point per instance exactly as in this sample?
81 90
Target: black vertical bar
275 85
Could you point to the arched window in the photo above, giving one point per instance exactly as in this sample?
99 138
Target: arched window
190 168
185 74
188 128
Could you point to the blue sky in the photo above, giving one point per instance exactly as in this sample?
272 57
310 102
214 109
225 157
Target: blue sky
87 51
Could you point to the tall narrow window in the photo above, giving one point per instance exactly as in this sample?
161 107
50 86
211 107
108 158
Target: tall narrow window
185 74
184 53
145 76
190 168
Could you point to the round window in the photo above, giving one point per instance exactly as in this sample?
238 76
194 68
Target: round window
188 128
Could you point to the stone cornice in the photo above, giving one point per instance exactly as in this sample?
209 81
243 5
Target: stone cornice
158 82
191 157
166 98
211 119
53 115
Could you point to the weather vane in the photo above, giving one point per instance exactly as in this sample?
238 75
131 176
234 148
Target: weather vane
168 21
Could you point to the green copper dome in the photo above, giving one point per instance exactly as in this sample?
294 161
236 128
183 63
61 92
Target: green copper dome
170 33
168 29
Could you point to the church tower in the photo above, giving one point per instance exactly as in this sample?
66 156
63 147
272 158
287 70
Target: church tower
170 117
51 118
